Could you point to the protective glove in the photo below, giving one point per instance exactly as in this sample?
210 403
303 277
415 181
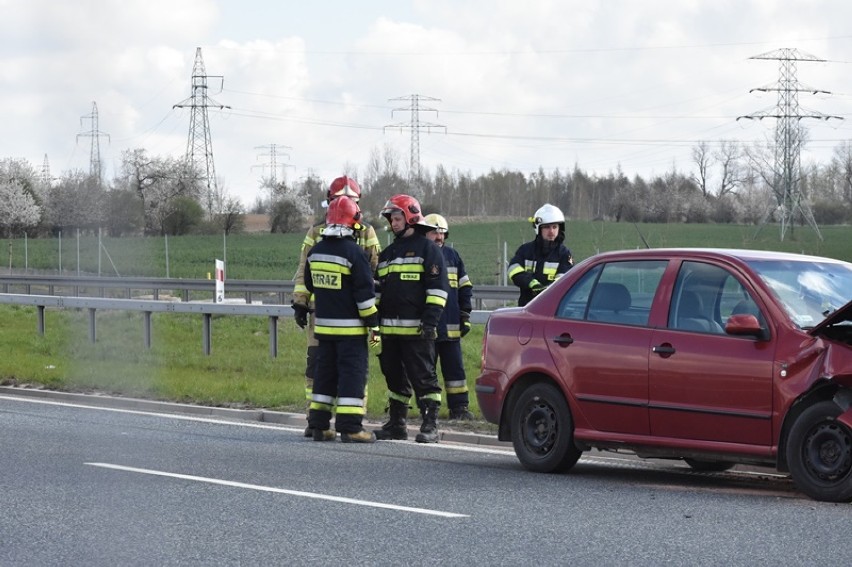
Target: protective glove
428 332
536 287
301 314
464 323
375 337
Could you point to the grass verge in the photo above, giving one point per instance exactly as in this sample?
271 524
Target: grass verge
238 373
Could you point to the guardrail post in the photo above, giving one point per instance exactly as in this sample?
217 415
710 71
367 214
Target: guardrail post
41 320
207 338
92 330
146 317
273 336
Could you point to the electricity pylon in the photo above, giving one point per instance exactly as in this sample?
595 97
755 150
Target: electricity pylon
45 174
273 161
789 136
95 169
415 125
199 144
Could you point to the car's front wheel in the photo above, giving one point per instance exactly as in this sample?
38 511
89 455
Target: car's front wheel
819 453
542 430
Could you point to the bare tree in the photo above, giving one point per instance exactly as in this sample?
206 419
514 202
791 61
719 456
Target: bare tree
701 159
289 207
231 216
843 162
729 157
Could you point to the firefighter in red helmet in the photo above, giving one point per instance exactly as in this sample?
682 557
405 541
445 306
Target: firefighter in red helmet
303 306
413 290
340 277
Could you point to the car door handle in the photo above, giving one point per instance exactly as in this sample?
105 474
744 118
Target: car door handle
664 350
563 340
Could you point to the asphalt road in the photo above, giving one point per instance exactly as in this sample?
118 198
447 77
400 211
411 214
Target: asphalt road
117 486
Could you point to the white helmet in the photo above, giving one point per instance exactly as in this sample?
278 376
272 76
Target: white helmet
548 214
437 222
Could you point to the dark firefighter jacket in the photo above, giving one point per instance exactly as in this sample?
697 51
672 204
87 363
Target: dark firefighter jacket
338 274
538 263
365 237
413 284
460 298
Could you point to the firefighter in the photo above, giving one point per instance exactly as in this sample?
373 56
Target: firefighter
538 263
413 288
339 276
302 303
454 323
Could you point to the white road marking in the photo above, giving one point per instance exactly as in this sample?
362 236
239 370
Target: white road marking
176 416
281 491
508 451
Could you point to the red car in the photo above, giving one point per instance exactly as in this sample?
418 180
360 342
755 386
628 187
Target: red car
716 357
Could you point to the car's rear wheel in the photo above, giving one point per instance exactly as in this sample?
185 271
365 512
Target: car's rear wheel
708 466
543 431
819 453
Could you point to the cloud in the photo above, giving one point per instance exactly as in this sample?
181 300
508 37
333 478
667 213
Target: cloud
520 84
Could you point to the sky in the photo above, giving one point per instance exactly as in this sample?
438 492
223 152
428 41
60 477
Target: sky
539 84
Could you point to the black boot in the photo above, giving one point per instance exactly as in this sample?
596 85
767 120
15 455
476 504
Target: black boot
429 429
461 413
395 428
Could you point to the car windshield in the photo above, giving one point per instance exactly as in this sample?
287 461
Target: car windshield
809 290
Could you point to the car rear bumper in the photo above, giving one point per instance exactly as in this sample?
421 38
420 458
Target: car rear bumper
490 388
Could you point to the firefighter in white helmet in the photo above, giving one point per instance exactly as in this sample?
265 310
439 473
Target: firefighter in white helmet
454 323
538 263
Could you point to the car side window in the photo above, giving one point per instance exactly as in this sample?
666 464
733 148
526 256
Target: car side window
574 303
736 300
617 292
696 297
705 296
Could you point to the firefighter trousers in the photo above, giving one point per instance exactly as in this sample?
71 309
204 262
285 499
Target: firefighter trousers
408 365
340 380
452 370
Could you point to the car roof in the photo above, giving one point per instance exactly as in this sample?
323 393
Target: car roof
719 253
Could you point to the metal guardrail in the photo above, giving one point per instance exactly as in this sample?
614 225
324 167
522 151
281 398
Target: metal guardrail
148 307
281 290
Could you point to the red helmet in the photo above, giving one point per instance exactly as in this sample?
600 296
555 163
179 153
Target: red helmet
407 205
343 211
344 186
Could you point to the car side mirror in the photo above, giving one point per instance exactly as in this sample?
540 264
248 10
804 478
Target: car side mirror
744 324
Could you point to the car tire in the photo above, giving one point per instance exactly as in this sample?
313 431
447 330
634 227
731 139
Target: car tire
819 454
708 466
543 431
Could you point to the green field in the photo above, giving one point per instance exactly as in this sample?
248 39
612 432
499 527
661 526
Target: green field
484 246
239 372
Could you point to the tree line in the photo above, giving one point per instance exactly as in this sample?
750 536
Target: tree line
154 195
